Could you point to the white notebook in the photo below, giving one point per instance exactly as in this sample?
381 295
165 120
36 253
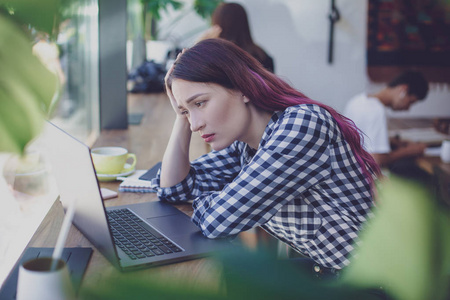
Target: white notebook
133 184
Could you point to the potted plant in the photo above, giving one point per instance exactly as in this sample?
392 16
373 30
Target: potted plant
152 13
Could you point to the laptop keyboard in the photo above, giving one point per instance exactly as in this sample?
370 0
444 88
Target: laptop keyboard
136 238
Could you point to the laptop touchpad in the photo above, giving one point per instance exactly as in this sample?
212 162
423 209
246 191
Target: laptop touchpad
173 225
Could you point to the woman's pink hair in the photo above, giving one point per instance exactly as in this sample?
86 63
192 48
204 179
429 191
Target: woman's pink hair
221 62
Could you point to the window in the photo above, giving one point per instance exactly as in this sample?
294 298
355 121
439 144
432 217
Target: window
78 108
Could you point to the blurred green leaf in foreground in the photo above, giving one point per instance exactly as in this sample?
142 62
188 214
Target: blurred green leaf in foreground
27 88
406 247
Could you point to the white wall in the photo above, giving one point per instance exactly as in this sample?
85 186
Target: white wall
296 33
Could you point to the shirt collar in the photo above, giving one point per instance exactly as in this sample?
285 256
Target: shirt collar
269 128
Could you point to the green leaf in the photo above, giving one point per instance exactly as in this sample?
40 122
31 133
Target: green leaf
257 275
205 8
39 14
136 287
246 275
155 6
405 247
27 88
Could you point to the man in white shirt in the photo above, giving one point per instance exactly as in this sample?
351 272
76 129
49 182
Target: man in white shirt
369 114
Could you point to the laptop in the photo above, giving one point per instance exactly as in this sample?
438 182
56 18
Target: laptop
130 236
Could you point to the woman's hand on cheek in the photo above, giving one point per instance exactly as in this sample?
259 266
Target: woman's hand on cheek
169 90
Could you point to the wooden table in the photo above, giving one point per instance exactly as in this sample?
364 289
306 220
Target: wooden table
433 165
427 163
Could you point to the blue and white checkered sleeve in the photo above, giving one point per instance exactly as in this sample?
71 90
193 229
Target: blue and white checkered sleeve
294 158
210 172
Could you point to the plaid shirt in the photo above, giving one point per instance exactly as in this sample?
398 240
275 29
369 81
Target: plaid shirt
303 185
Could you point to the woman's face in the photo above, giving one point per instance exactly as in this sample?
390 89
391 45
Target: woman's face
221 116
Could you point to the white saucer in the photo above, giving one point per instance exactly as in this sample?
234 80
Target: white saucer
110 177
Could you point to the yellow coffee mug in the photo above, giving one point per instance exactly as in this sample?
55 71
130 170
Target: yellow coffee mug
112 160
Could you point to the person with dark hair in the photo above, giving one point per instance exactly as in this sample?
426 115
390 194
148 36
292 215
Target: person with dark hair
280 160
229 21
369 114
414 84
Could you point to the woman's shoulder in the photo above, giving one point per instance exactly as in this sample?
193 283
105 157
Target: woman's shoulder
302 122
306 109
304 115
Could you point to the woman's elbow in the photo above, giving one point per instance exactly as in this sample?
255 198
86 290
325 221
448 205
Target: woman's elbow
212 232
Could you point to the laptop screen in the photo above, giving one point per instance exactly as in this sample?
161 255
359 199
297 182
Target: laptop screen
72 166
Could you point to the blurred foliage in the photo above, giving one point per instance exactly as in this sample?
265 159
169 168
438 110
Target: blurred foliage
27 87
41 15
405 249
153 9
246 275
258 275
205 8
152 14
144 289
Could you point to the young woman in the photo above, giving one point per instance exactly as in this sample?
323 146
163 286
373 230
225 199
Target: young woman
280 160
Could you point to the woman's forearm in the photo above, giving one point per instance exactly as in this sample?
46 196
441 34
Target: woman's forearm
175 164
